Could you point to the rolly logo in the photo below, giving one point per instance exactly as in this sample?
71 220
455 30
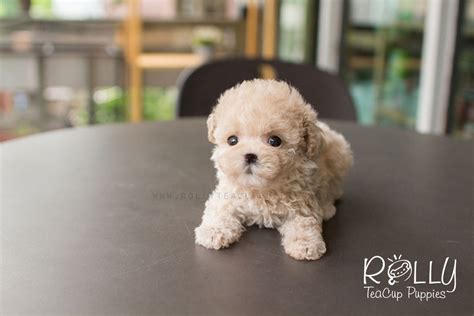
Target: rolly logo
398 269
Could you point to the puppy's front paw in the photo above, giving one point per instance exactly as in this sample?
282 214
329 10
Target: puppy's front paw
305 249
215 238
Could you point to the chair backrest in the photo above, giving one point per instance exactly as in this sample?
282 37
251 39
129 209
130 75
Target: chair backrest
201 88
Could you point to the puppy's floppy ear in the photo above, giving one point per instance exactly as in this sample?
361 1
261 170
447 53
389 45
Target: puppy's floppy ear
211 126
313 135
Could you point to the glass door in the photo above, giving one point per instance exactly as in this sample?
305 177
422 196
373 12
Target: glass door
461 116
381 59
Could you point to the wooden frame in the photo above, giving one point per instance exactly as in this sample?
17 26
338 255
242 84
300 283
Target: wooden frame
137 61
251 29
133 50
270 10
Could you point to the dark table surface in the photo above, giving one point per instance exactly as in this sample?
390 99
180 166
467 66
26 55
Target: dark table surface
100 221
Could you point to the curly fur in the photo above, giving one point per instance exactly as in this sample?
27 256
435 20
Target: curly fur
292 187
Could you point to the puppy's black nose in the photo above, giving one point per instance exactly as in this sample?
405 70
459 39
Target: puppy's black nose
250 158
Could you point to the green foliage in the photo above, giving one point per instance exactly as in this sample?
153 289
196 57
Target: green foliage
41 8
9 8
111 105
159 104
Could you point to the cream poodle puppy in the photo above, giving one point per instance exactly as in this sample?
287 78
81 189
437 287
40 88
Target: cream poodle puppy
277 167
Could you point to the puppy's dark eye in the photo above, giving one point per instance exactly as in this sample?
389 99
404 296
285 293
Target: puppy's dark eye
232 140
274 141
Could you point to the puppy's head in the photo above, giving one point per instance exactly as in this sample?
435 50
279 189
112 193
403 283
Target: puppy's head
263 130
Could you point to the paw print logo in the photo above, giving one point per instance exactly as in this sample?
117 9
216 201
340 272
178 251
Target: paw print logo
398 269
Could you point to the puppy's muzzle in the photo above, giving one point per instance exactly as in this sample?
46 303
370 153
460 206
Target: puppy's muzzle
250 158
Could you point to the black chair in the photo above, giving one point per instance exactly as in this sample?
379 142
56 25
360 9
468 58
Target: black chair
201 88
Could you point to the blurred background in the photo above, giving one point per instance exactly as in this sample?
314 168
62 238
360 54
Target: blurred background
67 63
